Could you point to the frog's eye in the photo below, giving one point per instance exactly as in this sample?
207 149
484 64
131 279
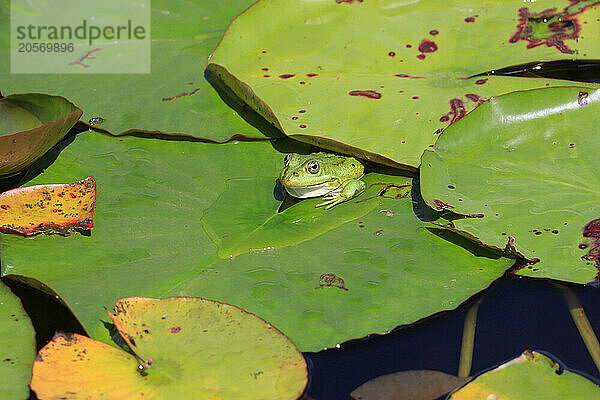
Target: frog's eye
313 167
287 159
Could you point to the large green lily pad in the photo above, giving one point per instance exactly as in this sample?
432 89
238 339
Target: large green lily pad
17 346
173 98
530 376
30 124
155 199
523 167
380 79
186 347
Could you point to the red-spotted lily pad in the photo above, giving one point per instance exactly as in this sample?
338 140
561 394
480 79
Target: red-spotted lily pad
17 346
184 347
30 124
380 79
38 209
523 171
530 376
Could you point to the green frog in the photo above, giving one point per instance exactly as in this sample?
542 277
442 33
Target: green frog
337 178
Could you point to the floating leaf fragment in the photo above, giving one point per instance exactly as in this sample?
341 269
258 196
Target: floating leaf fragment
58 209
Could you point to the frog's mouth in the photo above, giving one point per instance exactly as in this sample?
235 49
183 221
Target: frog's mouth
302 192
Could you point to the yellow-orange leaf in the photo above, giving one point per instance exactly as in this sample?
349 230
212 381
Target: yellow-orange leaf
48 208
77 367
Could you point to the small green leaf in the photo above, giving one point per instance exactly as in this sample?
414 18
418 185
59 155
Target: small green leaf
530 376
255 225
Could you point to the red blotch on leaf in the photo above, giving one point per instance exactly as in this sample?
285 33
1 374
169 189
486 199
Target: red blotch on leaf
371 94
427 46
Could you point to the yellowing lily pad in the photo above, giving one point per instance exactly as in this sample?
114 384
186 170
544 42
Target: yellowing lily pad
530 376
185 347
80 367
48 208
30 124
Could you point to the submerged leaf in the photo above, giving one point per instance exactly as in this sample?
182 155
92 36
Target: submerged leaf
59 209
255 225
409 385
530 376
185 347
30 124
522 170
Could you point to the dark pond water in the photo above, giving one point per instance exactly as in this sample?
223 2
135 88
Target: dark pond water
516 314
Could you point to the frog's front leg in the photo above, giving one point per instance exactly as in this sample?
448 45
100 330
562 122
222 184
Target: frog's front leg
350 190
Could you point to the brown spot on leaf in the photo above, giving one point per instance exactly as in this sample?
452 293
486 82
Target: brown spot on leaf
409 77
176 329
331 280
457 111
427 46
181 95
371 94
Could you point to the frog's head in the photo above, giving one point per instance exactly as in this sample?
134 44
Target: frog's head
317 174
